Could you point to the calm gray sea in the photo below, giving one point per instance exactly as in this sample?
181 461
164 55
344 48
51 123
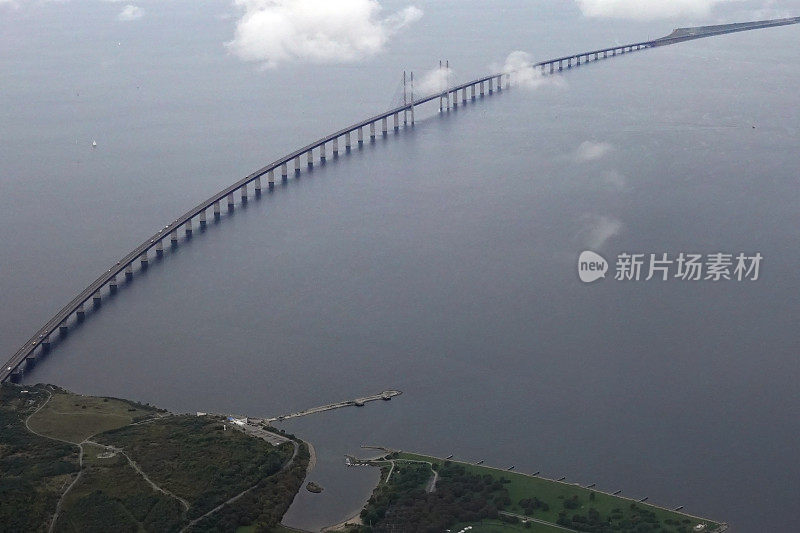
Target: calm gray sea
440 261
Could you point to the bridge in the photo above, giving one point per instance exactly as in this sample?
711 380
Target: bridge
40 343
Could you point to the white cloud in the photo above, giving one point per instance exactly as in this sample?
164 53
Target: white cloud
130 12
317 31
614 178
598 229
648 9
435 81
591 151
519 65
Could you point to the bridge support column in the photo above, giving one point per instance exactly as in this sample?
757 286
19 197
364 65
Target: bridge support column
396 122
284 173
336 147
447 100
464 96
560 65
271 179
80 312
187 227
216 213
472 92
159 248
112 283
542 68
203 217
412 114
491 85
63 328
297 166
578 61
230 201
46 343
173 237
441 103
257 181
605 54
243 189
96 299
129 271
383 126
569 62
552 67
347 143
481 90
499 83
372 131
596 56
310 158
360 136
143 259
322 156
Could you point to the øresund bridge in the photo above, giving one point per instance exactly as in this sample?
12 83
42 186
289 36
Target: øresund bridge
40 342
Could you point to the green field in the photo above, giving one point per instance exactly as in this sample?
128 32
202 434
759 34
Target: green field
564 504
142 469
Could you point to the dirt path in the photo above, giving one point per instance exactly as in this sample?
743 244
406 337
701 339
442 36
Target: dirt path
138 470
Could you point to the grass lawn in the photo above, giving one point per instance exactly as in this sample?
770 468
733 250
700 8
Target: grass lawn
74 418
574 500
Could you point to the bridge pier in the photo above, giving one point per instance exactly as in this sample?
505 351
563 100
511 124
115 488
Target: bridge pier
322 156
46 343
472 92
336 147
243 190
396 122
63 329
347 144
297 166
491 85
173 237
96 299
80 312
129 271
605 54
159 248
455 98
372 132
569 62
230 201
560 65
552 68
360 136
112 284
310 158
383 126
257 182
271 179
284 173
187 226
143 259
481 91
464 96
216 216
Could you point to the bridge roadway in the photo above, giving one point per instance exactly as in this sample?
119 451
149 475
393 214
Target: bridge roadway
41 339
